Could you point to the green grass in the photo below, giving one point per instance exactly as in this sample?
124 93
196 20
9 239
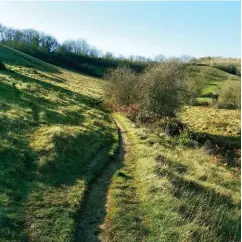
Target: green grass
220 126
51 132
169 192
213 121
56 141
230 65
212 78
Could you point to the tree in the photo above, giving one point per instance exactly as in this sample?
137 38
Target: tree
48 43
2 34
159 58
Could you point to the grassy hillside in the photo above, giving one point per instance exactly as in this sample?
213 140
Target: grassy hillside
212 78
54 141
230 65
168 191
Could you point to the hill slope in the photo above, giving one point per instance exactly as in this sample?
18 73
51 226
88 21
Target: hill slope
230 65
51 133
55 139
212 78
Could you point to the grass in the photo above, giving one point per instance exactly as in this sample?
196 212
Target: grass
56 144
220 126
51 132
167 192
214 121
230 65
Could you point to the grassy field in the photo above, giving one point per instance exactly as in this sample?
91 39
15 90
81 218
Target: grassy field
212 78
55 139
56 181
214 121
170 192
221 127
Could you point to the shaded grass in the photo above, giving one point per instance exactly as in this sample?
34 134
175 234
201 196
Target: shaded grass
14 57
51 130
93 213
183 193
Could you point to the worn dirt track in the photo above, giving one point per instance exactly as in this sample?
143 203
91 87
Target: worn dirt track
94 209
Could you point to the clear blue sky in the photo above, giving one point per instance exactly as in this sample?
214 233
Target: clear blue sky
136 28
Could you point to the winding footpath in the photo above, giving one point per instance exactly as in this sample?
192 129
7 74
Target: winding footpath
94 210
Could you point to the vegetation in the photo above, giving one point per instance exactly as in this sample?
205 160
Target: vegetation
160 91
230 95
2 66
230 65
171 192
59 146
123 87
54 141
211 120
219 127
76 55
166 88
175 188
209 79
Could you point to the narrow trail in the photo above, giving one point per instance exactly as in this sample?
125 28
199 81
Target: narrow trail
93 213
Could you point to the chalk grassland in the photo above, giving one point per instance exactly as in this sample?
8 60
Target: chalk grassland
56 139
167 191
51 132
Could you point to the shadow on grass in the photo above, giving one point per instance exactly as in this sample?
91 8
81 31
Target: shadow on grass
17 171
13 57
51 87
223 145
21 175
93 210
198 202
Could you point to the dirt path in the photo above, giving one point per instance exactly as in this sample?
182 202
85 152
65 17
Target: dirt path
94 210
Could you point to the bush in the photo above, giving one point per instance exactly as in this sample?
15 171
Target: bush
158 92
2 66
123 88
229 95
166 87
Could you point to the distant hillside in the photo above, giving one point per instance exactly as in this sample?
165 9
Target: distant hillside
230 65
212 78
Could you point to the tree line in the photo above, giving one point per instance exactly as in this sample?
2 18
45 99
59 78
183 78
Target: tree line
74 54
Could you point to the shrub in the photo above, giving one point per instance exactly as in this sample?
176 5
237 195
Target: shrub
166 88
160 91
123 86
229 95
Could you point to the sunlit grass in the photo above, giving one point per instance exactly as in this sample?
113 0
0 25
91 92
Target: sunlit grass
51 130
181 194
214 121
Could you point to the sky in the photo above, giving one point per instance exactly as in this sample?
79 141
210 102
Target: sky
136 28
